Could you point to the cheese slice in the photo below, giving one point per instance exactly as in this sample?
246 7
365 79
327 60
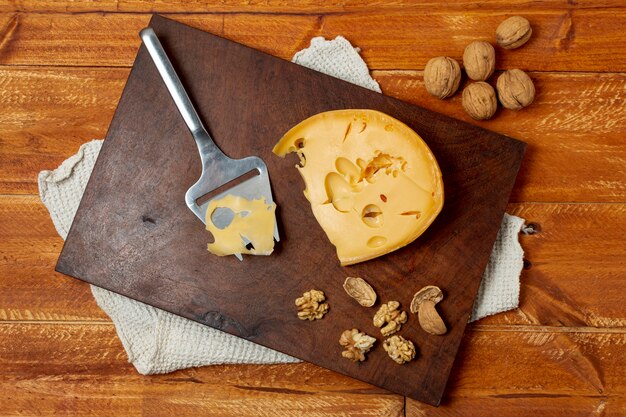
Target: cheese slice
253 220
373 183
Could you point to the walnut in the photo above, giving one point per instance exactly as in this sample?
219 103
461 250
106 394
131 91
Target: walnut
423 304
479 60
360 290
399 349
513 32
479 100
442 76
357 344
515 89
311 305
389 313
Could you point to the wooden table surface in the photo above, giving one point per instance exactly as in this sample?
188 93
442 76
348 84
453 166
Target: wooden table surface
63 64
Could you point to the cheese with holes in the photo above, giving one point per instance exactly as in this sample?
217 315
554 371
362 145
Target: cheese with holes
373 183
251 230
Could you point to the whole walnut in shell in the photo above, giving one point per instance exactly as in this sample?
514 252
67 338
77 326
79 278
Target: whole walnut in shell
479 100
513 32
479 60
515 89
442 76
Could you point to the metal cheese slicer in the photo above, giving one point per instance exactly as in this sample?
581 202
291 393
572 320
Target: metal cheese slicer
217 168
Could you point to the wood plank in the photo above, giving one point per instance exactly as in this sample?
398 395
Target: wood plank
54 110
501 370
512 405
279 6
560 288
564 40
82 370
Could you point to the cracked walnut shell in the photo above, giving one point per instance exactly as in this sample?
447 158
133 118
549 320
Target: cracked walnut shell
357 344
479 60
442 76
515 89
389 313
479 100
311 305
360 290
399 349
513 32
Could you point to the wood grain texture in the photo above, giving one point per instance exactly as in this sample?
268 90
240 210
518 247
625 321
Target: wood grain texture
508 369
559 287
70 366
502 369
563 40
280 6
86 373
148 157
570 278
29 287
55 110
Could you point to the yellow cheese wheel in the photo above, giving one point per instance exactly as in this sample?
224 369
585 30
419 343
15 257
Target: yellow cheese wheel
373 183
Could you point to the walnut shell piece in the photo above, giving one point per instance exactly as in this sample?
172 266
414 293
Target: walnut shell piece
356 344
399 349
513 32
442 76
423 304
515 89
360 290
479 100
312 305
389 318
479 60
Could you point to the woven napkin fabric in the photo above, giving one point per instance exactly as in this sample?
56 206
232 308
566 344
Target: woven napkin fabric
159 342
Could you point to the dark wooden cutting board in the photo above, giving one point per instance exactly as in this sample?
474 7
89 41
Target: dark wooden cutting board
134 235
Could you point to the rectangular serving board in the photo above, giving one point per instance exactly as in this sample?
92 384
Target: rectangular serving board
134 235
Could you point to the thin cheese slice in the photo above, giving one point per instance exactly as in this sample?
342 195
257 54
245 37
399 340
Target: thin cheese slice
373 183
253 220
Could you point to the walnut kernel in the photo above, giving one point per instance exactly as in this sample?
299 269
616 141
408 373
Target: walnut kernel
479 60
515 89
442 76
389 313
399 349
513 32
311 305
360 290
479 100
357 344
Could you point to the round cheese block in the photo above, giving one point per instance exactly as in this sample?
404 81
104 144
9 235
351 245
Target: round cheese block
373 183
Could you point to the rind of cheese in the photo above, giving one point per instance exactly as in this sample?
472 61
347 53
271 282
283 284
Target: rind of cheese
253 219
373 183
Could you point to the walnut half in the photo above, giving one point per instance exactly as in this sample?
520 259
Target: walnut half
389 313
357 344
311 305
360 290
399 349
